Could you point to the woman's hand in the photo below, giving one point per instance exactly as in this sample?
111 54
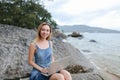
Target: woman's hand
44 70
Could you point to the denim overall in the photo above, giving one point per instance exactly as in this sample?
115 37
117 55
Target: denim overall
43 58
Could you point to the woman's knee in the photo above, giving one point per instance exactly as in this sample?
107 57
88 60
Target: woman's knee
57 76
65 72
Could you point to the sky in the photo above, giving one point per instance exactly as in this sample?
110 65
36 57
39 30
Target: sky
95 13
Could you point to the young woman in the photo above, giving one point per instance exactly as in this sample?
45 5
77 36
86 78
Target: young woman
41 50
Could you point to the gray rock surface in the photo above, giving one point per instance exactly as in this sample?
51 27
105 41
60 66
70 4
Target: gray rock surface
14 43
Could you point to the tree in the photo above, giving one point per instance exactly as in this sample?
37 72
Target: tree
24 13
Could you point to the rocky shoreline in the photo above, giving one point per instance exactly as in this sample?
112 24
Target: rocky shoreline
14 42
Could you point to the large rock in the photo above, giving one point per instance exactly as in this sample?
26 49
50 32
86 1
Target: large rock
14 42
59 34
75 34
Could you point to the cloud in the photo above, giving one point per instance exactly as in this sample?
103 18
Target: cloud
102 13
109 20
75 7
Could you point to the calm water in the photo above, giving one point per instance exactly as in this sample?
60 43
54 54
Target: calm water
104 53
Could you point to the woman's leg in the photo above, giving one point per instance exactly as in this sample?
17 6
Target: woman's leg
57 76
66 75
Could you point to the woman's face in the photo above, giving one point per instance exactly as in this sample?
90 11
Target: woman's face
45 31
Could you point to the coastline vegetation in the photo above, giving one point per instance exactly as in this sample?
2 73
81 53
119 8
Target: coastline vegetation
24 13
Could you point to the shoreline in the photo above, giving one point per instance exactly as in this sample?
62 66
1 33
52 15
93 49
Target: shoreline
105 74
98 64
109 76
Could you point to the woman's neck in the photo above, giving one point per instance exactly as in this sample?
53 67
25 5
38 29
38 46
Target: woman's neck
43 39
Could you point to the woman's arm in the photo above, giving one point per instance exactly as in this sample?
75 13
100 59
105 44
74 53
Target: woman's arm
32 50
53 59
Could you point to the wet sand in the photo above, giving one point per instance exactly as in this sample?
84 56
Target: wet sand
111 76
108 76
104 72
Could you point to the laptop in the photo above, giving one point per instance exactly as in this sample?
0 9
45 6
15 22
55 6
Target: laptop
58 65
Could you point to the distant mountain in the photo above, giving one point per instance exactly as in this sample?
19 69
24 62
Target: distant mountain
85 28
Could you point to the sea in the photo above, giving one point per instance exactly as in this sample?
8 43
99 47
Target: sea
102 49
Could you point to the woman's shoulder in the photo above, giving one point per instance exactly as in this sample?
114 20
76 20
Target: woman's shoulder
32 44
51 43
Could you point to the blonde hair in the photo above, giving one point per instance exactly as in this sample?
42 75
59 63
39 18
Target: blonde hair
38 36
